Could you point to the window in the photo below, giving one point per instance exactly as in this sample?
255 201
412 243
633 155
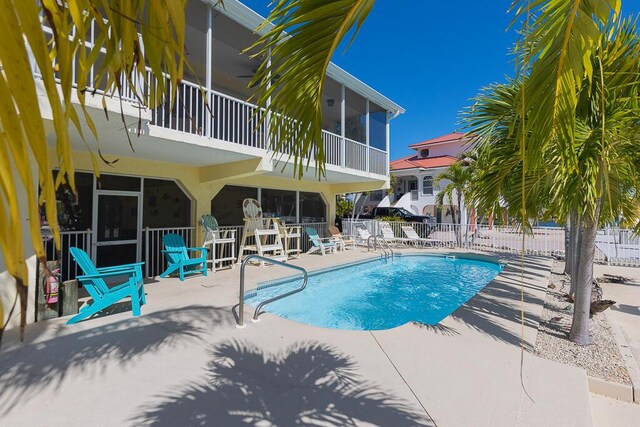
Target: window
165 204
75 214
279 204
377 126
355 117
424 153
427 185
226 206
312 208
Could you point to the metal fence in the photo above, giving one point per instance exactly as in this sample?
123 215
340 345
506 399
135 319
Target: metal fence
614 246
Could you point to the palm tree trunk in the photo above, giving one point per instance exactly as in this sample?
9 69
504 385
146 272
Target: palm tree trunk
577 258
568 253
580 326
460 217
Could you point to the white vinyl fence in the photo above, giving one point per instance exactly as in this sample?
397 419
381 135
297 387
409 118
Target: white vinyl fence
68 267
614 246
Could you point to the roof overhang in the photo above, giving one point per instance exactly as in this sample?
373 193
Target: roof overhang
250 19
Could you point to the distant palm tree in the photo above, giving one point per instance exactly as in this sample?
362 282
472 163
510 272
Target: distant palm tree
456 179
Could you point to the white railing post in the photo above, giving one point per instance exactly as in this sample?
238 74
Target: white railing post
343 112
146 251
367 142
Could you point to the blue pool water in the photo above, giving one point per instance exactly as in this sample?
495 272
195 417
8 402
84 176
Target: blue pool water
380 294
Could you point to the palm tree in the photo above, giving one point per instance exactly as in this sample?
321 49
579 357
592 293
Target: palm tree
456 178
595 181
123 24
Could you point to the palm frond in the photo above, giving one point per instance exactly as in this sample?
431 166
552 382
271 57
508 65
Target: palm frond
298 48
120 61
560 43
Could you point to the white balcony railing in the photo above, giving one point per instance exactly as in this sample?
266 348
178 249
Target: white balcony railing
212 114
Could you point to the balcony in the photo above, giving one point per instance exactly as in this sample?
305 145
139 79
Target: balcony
214 115
355 122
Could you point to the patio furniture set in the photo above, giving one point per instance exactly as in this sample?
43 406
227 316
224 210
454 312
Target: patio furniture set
268 237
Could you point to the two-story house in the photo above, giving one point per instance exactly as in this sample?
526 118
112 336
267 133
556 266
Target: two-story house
198 157
415 189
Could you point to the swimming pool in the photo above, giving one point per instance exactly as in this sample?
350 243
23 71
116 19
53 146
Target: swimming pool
380 294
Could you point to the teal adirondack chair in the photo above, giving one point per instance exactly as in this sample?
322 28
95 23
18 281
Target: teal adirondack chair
319 244
102 295
177 255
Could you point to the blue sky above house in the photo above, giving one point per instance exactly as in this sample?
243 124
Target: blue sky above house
432 58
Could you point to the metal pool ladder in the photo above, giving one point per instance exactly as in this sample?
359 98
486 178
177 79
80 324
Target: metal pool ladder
384 245
245 261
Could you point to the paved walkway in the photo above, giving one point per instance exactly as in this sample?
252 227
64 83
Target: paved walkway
614 413
183 362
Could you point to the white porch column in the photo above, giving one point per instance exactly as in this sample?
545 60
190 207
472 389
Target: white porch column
366 110
388 131
209 70
343 113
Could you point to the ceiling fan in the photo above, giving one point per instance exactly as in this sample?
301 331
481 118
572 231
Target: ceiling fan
254 71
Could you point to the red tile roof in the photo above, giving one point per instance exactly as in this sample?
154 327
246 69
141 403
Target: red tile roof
414 162
450 137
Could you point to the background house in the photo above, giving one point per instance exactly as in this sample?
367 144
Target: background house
414 188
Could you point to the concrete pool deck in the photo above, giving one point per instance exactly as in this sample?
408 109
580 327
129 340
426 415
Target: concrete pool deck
183 362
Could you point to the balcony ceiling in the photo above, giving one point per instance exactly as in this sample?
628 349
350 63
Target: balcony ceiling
165 145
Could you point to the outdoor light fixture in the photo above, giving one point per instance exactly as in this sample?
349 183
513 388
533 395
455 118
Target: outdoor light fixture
330 102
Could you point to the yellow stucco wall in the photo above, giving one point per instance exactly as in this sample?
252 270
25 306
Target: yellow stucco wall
194 181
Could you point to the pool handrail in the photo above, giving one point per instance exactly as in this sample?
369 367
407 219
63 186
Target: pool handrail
245 261
375 238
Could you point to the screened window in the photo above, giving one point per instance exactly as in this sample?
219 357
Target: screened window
226 206
427 185
75 213
377 126
165 205
312 208
279 204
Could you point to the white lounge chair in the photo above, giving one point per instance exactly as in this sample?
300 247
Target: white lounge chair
415 238
389 235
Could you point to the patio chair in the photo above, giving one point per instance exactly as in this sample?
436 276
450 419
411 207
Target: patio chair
415 238
347 241
218 239
363 234
260 235
290 237
101 295
177 255
320 244
389 236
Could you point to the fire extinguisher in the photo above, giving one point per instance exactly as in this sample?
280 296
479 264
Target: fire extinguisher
51 290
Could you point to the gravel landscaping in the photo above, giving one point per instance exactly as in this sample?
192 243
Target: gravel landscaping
601 359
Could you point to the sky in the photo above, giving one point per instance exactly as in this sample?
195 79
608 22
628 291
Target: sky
432 58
